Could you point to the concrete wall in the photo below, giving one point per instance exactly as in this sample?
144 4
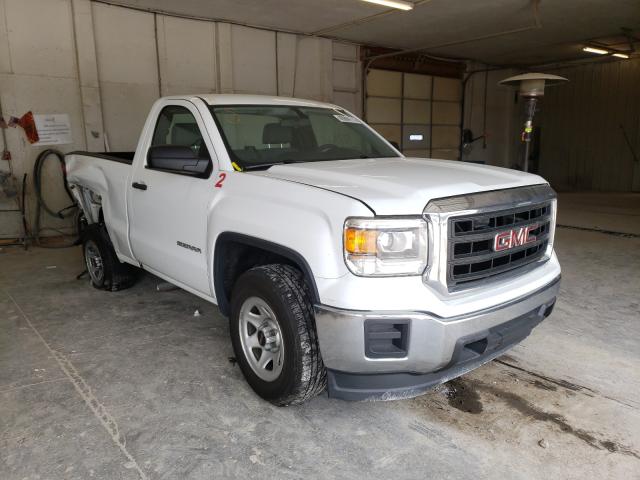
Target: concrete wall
583 125
104 66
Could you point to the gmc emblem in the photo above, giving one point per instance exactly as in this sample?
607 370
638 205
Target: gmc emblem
514 238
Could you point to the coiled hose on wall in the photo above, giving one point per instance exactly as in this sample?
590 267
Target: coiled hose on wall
64 213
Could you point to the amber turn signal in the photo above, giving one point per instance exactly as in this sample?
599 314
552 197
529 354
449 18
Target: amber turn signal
360 242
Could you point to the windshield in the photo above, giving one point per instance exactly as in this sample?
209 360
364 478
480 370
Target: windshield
262 135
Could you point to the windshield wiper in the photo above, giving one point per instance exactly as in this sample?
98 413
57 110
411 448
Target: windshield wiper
286 162
267 165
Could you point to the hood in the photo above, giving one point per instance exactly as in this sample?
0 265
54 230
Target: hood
401 186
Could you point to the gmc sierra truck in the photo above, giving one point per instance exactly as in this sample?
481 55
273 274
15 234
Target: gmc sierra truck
340 263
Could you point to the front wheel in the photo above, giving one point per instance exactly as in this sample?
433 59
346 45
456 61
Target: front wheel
274 336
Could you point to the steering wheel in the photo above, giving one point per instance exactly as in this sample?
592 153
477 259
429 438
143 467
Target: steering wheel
327 147
199 148
197 145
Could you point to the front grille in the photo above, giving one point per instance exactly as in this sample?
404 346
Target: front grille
472 257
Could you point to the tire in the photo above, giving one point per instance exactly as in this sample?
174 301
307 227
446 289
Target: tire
81 224
104 268
276 299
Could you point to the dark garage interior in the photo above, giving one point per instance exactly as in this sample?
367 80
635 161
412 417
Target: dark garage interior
144 382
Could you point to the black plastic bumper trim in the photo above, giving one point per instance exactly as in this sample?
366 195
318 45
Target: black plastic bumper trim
466 357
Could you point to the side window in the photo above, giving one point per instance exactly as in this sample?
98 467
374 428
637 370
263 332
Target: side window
178 127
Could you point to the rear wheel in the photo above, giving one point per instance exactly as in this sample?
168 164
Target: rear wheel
274 336
104 268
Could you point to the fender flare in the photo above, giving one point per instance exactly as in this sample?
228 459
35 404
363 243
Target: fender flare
232 237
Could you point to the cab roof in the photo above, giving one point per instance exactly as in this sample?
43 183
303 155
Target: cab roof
238 99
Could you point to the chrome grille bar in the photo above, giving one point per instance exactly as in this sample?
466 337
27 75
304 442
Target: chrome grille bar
471 255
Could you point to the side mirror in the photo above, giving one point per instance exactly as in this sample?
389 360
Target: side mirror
178 159
394 145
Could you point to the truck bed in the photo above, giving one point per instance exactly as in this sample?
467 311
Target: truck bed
120 157
110 180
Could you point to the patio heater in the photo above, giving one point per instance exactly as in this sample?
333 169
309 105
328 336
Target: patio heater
531 88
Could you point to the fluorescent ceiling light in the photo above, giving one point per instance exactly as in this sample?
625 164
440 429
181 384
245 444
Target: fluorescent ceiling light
599 51
621 55
400 4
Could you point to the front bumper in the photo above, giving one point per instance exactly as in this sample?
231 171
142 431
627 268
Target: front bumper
432 349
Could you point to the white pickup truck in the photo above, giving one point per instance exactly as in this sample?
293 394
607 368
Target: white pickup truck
340 263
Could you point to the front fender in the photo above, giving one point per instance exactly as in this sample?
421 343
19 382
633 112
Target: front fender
304 219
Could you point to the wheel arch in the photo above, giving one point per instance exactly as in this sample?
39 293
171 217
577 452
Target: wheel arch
227 247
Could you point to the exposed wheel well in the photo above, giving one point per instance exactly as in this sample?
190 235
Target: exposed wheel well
236 253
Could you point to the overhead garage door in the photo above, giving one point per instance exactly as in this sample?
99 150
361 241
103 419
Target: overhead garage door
419 112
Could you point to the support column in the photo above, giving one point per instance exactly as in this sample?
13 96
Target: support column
88 74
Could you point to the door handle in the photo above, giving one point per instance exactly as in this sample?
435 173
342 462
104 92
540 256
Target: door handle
139 185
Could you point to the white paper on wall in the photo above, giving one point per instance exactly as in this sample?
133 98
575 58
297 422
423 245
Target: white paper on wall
53 129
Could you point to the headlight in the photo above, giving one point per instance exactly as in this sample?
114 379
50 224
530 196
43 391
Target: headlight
385 247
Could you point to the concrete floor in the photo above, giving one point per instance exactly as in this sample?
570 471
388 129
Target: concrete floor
618 213
132 385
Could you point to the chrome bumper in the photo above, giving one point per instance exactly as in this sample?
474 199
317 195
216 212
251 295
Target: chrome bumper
431 340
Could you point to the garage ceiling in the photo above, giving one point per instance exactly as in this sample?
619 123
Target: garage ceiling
456 28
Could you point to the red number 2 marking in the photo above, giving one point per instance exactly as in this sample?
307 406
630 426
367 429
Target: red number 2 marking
221 178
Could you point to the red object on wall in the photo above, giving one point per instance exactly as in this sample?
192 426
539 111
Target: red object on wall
29 125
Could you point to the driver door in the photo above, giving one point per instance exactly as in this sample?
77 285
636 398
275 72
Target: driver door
168 210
